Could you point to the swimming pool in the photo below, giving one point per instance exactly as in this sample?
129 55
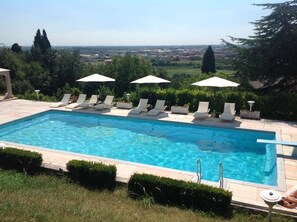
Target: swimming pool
159 143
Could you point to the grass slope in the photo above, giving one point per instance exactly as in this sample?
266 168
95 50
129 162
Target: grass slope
50 198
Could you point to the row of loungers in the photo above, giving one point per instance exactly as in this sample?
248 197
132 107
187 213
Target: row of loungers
81 102
202 112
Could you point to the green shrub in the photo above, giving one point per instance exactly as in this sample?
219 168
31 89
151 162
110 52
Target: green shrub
91 174
272 106
180 193
33 96
21 160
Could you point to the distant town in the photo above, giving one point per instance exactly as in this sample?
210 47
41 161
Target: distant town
162 53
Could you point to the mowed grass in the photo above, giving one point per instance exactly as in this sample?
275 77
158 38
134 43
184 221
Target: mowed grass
191 70
52 198
182 70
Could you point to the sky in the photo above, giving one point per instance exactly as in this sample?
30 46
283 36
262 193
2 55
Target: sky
128 22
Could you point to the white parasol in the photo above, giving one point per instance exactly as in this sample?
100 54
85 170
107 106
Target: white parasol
216 82
96 78
150 79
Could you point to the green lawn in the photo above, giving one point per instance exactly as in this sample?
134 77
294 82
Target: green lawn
52 198
181 70
190 70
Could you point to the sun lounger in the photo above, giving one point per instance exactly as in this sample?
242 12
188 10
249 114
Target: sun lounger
142 106
202 111
159 107
291 193
108 103
91 102
64 101
80 100
229 112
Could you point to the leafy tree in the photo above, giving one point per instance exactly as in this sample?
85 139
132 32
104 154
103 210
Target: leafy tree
126 69
12 61
208 62
16 48
38 76
271 54
64 67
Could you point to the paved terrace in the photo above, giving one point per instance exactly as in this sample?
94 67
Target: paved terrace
244 193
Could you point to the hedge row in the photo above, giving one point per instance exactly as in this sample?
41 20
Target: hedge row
94 175
272 106
180 193
97 175
21 160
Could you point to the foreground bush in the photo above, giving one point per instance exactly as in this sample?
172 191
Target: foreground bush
21 160
180 193
94 175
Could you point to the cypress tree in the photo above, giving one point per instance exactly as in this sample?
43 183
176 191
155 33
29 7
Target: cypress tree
38 39
208 62
46 42
41 41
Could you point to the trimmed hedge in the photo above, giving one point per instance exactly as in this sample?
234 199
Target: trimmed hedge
21 160
280 105
91 174
181 193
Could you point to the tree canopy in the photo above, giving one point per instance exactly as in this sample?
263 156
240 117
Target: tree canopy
16 48
208 62
270 55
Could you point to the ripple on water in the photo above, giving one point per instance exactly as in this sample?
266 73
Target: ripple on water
171 145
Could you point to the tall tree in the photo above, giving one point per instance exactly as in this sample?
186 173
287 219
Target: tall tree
271 54
208 62
41 41
46 42
38 39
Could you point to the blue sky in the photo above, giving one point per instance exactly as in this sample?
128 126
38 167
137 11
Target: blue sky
128 22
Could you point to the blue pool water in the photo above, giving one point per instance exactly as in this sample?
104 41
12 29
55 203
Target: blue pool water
159 143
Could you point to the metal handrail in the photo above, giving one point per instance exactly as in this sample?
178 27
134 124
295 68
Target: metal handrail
221 175
198 171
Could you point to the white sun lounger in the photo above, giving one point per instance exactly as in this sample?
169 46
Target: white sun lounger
63 102
142 106
159 107
202 111
80 100
229 112
91 102
108 103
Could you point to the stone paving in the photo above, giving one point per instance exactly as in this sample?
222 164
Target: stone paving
246 194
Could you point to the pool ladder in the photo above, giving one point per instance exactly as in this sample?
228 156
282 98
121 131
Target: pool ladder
198 171
221 173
